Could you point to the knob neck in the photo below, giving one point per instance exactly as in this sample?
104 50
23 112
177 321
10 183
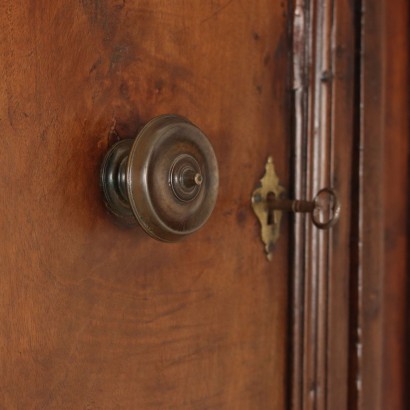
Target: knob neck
114 181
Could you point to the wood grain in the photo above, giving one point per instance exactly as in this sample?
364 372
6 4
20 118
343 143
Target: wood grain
323 47
380 272
396 350
96 316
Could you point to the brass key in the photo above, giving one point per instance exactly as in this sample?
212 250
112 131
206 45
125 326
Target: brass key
300 206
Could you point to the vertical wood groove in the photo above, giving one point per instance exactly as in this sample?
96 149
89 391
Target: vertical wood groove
323 137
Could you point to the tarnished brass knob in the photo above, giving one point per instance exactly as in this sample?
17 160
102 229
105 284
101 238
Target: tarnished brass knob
166 179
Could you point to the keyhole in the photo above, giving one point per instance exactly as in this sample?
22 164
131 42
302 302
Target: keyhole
270 197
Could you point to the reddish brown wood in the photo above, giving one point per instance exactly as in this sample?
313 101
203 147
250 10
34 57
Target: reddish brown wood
368 331
96 316
342 57
323 86
397 204
381 271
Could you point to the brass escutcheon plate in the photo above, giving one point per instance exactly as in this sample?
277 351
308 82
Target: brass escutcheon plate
270 224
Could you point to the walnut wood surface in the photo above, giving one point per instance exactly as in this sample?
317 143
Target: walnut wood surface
97 316
324 98
382 268
396 195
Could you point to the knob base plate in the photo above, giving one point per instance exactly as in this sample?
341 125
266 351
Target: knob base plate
113 181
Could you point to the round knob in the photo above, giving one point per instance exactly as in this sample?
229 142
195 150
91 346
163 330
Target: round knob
166 179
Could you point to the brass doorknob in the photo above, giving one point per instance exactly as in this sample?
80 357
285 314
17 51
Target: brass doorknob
166 179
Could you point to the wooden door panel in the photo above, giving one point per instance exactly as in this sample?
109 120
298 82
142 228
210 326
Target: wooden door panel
98 316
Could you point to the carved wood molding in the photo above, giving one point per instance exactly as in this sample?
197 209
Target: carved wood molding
380 267
323 90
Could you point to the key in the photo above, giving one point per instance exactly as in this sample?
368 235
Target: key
314 207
